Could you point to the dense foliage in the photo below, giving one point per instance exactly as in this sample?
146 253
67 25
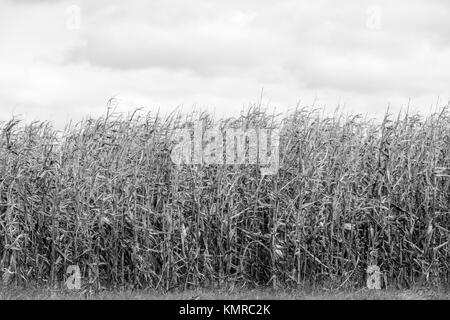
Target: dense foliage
104 194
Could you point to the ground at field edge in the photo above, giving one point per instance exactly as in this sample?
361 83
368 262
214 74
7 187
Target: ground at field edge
249 294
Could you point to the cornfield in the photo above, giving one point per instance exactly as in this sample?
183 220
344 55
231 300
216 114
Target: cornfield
103 194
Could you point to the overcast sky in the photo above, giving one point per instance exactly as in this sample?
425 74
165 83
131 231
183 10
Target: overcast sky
218 55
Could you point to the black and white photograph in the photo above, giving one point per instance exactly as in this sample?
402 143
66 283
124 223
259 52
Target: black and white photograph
233 157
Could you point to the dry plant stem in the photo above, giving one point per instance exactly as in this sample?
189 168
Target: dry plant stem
104 195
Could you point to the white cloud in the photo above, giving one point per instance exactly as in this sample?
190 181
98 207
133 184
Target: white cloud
220 54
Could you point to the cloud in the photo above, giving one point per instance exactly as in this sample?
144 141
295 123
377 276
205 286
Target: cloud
34 2
320 45
217 53
201 51
214 44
